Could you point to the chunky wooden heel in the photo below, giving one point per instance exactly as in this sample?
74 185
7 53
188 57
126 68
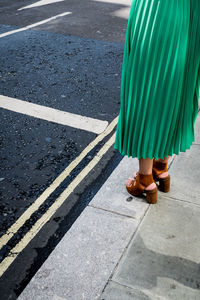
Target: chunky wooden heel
159 168
136 187
164 184
152 196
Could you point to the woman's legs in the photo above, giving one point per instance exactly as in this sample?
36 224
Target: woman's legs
144 179
145 168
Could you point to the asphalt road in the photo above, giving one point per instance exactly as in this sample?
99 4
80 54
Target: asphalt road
68 63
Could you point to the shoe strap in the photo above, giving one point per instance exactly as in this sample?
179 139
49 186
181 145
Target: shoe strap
159 167
145 180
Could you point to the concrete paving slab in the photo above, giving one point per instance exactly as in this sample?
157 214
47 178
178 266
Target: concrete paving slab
58 298
163 258
115 291
184 171
197 130
113 195
82 262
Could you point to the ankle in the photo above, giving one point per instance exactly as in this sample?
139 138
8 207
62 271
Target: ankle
145 166
146 179
148 173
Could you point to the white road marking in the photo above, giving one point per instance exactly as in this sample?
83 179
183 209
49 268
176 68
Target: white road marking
122 2
53 115
34 25
40 3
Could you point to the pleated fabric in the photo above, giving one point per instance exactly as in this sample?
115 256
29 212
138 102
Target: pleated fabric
160 78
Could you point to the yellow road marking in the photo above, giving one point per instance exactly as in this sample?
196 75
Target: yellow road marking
53 208
41 199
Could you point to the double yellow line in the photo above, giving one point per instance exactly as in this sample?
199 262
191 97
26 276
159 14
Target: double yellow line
59 201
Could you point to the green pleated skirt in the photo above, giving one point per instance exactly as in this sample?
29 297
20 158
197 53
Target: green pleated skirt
160 78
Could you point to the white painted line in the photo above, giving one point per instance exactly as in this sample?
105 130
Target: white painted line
53 115
40 3
52 209
50 189
122 2
33 25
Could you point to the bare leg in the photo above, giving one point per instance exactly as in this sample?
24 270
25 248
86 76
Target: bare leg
145 167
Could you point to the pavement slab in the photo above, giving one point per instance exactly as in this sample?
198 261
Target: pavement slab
185 183
197 130
163 258
114 197
82 262
115 291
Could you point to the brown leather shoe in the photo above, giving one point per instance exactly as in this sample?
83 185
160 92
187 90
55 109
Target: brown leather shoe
137 187
159 168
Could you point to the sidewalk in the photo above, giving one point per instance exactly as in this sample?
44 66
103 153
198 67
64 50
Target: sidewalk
122 249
